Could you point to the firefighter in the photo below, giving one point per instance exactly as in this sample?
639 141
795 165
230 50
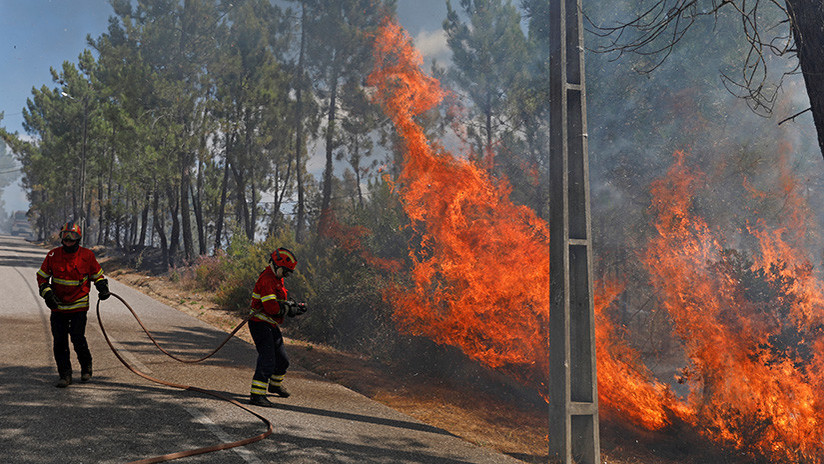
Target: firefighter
269 306
64 280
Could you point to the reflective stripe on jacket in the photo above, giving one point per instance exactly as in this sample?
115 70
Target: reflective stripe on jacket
267 294
70 276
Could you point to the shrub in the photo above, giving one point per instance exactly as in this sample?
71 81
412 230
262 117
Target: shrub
232 274
210 271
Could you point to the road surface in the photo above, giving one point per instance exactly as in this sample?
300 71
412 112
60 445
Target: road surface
119 417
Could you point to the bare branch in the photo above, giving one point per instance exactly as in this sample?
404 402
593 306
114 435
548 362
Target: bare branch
792 118
655 32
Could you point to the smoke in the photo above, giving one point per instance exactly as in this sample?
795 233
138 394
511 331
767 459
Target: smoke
433 47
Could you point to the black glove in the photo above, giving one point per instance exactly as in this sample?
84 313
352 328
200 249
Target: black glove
285 307
102 286
48 295
296 309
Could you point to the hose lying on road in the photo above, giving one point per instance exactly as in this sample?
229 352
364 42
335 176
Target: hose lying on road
192 452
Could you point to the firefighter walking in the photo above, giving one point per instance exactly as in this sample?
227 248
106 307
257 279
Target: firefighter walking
64 280
270 305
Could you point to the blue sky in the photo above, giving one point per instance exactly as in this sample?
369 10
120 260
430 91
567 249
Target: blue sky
36 35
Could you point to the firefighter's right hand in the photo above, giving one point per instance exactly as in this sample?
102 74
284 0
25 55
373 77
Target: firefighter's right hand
102 287
48 295
296 309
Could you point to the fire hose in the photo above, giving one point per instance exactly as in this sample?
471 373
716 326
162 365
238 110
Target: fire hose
192 452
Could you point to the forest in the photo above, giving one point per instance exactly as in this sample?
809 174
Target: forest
208 133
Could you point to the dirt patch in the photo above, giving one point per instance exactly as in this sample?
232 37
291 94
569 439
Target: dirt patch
511 425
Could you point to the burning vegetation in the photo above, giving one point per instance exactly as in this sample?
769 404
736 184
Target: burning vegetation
480 264
749 324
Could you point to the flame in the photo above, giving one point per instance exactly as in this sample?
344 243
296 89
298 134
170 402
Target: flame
752 392
626 388
480 282
352 237
481 271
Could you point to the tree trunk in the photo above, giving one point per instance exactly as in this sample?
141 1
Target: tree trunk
105 210
241 207
158 222
250 232
144 221
198 207
807 18
132 225
117 223
87 219
277 195
223 189
326 200
174 236
101 216
252 222
186 224
356 168
299 129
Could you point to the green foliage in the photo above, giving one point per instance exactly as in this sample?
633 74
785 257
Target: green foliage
232 273
489 51
345 277
348 309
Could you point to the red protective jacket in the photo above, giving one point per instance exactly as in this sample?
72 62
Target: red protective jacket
269 290
71 275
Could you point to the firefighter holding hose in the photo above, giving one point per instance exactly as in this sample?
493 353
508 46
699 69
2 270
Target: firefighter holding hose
64 280
270 305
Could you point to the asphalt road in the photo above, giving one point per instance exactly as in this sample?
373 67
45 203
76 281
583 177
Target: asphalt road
119 417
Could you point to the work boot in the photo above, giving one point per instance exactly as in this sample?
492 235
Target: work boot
64 381
279 391
86 372
261 400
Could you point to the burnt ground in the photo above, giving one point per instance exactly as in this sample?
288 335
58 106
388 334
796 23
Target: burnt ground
479 411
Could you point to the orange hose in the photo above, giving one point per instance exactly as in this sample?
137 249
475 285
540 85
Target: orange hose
192 452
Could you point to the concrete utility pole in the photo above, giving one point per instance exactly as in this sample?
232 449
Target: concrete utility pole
573 387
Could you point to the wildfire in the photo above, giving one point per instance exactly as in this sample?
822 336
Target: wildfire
481 270
751 327
626 388
747 327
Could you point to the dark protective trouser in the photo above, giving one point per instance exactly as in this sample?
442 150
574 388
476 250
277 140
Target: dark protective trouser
272 360
63 326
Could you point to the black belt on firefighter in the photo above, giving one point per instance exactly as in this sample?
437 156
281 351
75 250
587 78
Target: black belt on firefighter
192 452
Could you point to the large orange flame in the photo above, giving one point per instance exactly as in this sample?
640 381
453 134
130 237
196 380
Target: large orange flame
481 282
756 385
626 388
481 270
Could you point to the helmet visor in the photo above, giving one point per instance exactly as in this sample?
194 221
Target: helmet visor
71 235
